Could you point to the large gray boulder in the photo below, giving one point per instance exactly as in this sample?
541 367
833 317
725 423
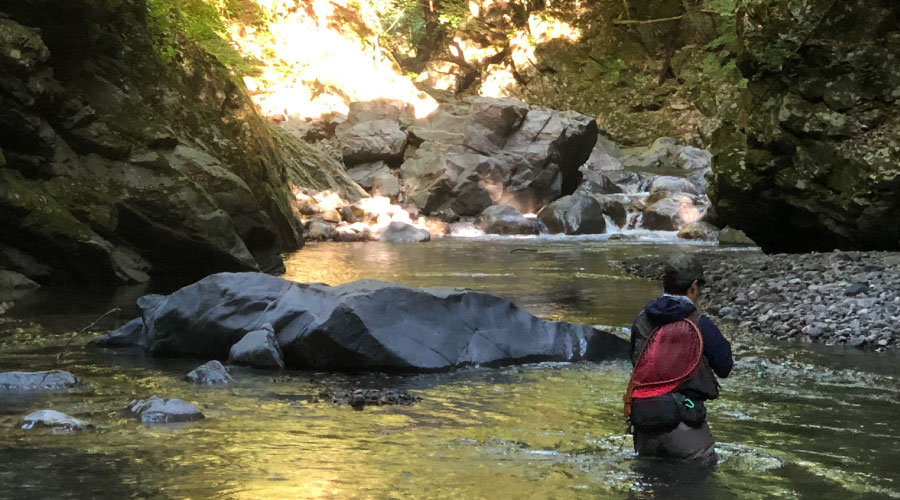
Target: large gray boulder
258 349
38 381
376 178
596 182
670 213
615 207
574 214
504 219
691 158
373 140
364 325
495 151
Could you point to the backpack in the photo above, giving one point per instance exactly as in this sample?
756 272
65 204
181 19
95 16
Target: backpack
671 356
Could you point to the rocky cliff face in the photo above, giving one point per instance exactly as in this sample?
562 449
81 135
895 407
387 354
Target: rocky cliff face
812 161
115 167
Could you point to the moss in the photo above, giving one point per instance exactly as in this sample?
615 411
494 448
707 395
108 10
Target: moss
38 209
174 24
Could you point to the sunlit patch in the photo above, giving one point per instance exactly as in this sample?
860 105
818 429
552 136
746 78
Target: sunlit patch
500 80
311 67
689 213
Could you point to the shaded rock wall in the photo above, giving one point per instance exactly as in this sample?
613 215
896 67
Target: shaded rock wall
812 160
117 167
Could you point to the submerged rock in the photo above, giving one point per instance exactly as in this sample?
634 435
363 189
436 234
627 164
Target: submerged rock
55 420
360 398
38 381
363 325
156 410
258 349
210 373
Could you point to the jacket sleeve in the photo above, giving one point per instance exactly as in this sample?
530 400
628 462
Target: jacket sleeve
716 347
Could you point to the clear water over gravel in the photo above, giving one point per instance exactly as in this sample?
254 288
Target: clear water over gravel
794 421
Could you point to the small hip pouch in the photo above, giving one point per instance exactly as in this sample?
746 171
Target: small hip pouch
664 413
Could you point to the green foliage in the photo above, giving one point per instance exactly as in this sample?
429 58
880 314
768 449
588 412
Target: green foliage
404 20
175 24
454 12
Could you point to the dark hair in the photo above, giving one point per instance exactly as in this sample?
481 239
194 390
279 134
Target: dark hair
681 271
674 286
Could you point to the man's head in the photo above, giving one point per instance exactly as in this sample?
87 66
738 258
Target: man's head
683 275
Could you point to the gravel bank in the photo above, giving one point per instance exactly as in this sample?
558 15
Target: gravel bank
850 298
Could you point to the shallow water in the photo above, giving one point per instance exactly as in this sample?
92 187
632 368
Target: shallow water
794 421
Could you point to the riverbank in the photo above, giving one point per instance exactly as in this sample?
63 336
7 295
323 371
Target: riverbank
850 298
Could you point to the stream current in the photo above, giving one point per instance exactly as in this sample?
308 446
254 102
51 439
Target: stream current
794 420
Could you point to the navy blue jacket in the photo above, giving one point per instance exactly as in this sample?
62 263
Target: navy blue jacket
716 348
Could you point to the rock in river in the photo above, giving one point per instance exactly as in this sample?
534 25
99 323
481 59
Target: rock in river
504 219
211 373
363 325
55 420
258 349
37 381
156 410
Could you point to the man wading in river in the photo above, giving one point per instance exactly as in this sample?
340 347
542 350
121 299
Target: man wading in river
675 352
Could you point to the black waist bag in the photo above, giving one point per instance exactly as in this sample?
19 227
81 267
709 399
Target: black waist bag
664 413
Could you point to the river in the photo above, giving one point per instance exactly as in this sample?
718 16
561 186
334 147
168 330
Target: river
794 420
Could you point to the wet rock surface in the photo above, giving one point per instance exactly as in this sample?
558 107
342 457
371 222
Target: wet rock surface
38 381
211 373
54 420
815 151
116 169
850 298
504 219
258 349
574 214
156 410
363 325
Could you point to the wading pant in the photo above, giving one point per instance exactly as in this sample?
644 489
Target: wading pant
684 442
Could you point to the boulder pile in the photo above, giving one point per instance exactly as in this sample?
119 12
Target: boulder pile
491 163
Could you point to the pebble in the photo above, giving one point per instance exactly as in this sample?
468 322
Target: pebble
360 398
833 298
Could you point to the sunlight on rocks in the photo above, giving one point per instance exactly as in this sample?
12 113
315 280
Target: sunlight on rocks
689 213
542 28
327 216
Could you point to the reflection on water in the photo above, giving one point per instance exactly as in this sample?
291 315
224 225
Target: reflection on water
793 422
